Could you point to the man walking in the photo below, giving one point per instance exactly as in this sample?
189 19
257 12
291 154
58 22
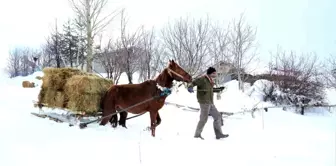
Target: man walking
205 92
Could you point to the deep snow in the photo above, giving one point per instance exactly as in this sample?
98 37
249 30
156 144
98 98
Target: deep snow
285 138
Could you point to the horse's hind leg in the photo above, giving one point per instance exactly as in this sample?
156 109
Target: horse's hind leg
114 120
123 117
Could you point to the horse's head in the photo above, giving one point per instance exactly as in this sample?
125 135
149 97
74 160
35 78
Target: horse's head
177 73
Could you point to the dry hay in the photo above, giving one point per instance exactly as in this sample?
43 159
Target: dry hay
56 78
27 84
38 77
52 91
52 98
72 89
85 92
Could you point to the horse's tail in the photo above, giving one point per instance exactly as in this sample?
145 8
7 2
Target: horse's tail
101 104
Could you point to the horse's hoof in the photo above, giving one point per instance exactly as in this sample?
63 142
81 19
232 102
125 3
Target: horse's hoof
124 126
153 132
114 125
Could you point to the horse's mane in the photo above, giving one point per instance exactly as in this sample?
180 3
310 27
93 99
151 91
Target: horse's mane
164 79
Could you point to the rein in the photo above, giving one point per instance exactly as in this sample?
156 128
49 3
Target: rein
171 72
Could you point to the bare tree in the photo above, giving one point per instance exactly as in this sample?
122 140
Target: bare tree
243 48
219 48
187 41
47 58
297 74
82 43
151 56
91 11
54 46
21 62
14 63
109 58
129 47
330 71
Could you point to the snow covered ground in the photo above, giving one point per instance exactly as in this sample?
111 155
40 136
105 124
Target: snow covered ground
286 138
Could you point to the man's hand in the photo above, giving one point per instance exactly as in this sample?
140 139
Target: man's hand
191 90
221 88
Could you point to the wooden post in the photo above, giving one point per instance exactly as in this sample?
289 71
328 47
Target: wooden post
266 109
302 110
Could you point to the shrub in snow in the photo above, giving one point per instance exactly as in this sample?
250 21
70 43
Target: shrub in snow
272 92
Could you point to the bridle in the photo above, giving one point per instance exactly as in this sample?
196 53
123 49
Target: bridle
171 72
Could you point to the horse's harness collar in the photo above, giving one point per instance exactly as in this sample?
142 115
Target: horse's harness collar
165 91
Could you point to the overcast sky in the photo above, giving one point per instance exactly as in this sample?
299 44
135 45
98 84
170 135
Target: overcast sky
301 25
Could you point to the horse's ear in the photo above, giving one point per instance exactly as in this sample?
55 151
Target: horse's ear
172 61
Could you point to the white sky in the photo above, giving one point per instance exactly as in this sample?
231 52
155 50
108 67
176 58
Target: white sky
302 25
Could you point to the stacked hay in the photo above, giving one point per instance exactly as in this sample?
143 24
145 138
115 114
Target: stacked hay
52 90
72 89
27 84
85 92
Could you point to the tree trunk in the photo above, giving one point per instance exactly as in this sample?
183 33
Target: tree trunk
148 71
89 58
130 78
70 55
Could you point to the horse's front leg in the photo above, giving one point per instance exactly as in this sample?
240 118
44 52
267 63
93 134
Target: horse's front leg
153 116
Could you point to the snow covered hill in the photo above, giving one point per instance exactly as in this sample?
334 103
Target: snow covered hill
284 138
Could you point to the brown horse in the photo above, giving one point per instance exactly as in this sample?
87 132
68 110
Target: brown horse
123 96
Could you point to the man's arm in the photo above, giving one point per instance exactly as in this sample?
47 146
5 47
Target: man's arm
195 82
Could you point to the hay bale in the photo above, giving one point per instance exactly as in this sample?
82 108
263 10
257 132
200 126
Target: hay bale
27 84
61 84
87 104
80 84
53 98
84 92
56 78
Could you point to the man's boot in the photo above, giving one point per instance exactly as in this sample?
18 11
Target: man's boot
198 136
219 134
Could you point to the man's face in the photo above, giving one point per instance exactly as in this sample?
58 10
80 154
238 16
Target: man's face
213 75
